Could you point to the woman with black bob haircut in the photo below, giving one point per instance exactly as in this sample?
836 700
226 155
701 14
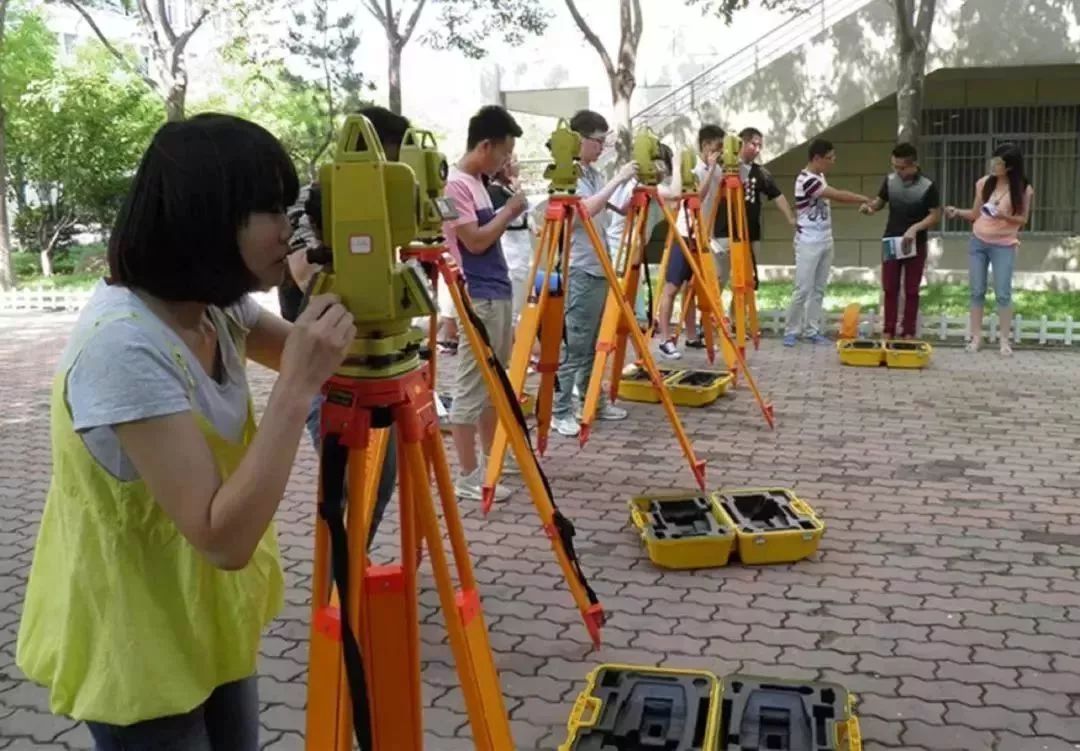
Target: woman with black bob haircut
156 566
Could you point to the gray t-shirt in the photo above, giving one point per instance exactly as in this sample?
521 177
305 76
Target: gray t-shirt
133 369
582 253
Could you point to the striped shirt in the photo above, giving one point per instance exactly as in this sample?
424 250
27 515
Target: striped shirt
814 219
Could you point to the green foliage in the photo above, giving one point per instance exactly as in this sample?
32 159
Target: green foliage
726 9
302 110
75 139
77 267
469 26
27 54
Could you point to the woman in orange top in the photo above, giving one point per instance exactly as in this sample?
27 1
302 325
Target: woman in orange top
1002 206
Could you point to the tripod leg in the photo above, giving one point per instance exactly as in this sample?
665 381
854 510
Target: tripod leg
551 333
464 619
630 292
618 355
327 728
642 346
521 354
388 617
558 529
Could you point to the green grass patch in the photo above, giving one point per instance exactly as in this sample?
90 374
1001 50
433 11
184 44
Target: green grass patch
935 299
77 268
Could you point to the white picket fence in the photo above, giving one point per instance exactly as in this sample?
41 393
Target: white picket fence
1033 331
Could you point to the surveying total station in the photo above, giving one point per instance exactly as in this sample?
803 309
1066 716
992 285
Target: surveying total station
364 656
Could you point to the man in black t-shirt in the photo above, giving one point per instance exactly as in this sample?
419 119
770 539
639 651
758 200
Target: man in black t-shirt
914 207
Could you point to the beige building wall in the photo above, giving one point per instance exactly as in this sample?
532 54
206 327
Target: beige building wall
863 143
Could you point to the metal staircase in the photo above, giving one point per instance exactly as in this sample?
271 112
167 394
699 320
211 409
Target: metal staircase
711 83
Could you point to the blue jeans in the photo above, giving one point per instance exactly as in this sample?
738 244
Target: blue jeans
1002 258
227 721
389 467
585 300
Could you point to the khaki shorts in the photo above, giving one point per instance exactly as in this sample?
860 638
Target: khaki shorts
470 391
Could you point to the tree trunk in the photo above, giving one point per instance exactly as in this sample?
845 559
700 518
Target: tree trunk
909 94
46 262
6 277
6 281
620 98
913 27
394 74
174 101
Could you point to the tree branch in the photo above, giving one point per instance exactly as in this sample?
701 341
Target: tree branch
637 24
180 43
166 25
925 21
591 38
154 86
375 10
411 25
904 11
149 24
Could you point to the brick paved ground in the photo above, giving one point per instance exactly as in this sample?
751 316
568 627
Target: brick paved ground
945 593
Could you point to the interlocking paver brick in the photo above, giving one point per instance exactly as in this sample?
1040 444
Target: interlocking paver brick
968 520
1062 727
946 738
1013 742
941 690
989 718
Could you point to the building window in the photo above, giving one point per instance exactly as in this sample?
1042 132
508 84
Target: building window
957 145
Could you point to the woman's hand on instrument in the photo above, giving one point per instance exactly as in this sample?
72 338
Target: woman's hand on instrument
317 344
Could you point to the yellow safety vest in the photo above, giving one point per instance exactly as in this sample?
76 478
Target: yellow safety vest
123 619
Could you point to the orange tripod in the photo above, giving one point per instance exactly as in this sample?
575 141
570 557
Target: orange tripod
744 302
703 282
365 629
543 315
512 425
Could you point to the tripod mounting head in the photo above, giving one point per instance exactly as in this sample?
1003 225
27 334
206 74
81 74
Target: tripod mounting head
565 148
732 147
370 208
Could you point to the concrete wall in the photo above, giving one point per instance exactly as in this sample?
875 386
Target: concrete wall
852 66
863 143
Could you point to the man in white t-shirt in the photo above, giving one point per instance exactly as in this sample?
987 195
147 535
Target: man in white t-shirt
813 242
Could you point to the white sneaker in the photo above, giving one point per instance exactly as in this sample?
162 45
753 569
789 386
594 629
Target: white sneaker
567 426
612 413
471 487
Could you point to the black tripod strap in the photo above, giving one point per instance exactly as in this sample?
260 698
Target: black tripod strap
563 526
335 459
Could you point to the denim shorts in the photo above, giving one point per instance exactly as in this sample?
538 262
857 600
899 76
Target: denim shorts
1001 259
